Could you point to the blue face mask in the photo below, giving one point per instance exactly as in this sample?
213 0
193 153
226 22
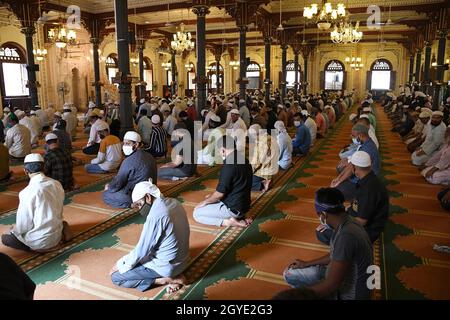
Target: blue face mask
324 223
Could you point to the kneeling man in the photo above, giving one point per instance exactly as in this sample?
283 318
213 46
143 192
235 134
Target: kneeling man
162 253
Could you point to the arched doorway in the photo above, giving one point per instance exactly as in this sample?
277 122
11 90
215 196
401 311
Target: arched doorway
14 76
290 74
333 76
148 75
254 76
381 77
212 77
112 67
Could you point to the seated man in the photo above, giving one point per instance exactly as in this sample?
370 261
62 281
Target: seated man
15 284
39 220
109 154
18 139
342 273
5 173
95 119
230 202
346 180
370 206
209 154
58 163
162 252
433 140
302 140
144 127
183 164
310 125
138 166
437 169
158 138
71 120
64 139
284 145
264 155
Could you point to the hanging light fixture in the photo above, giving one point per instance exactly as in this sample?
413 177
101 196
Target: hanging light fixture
346 33
182 41
62 37
354 62
166 65
189 66
234 64
39 53
326 15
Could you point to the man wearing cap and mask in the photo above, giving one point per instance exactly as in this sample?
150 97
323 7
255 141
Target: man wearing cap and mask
109 154
230 202
138 166
95 119
162 252
414 141
18 139
257 118
311 125
209 154
58 163
341 274
433 140
370 206
39 219
302 141
237 129
346 180
284 145
158 139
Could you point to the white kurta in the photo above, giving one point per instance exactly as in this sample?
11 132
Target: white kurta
34 129
39 219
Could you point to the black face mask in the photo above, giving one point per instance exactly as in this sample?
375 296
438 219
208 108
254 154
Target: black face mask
144 211
102 136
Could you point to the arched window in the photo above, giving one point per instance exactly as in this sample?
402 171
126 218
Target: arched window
380 78
334 75
14 76
148 74
253 75
112 66
212 75
290 74
191 76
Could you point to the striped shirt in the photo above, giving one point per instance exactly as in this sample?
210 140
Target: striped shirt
158 140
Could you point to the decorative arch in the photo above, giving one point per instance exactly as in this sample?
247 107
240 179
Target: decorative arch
212 76
333 76
13 62
112 66
148 74
290 74
381 76
253 75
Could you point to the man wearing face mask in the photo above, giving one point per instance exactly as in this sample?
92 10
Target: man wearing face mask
109 154
341 274
257 118
138 166
346 180
230 202
370 206
162 252
433 140
39 219
284 145
437 170
302 140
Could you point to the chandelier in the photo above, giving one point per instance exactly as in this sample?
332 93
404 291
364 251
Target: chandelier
182 41
39 54
134 61
189 66
234 64
355 62
166 65
62 37
346 33
326 14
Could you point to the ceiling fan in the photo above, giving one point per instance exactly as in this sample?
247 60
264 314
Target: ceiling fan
389 21
280 26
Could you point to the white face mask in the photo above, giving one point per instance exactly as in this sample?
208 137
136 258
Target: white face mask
356 141
127 150
297 123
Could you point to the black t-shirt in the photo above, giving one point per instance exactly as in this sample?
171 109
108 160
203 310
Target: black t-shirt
235 183
14 283
371 203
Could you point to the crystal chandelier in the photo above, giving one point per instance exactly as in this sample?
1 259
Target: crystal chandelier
182 41
325 15
355 62
62 37
346 33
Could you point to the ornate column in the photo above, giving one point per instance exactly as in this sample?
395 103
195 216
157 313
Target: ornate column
442 36
283 71
31 66
418 62
97 84
201 11
123 77
242 81
267 81
296 84
218 87
140 48
411 67
426 67
305 75
173 85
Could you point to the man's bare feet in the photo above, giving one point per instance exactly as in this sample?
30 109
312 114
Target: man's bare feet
173 284
233 222
266 185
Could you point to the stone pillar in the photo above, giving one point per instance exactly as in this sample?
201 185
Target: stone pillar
442 35
140 49
242 62
201 11
411 68
31 66
283 71
173 85
426 67
97 84
123 77
418 62
305 75
296 84
267 81
218 88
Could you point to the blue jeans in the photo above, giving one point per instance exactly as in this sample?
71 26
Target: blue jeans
139 277
169 173
94 168
301 278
